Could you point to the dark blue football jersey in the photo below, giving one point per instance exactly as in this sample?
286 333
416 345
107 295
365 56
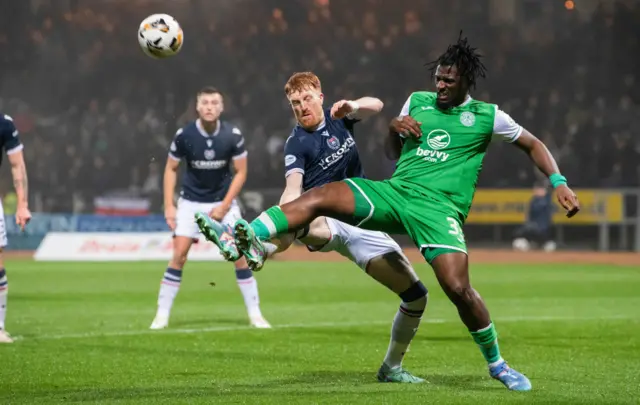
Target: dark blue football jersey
9 139
325 155
209 159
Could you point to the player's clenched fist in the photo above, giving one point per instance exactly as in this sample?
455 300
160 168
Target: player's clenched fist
170 216
219 211
568 199
342 108
406 126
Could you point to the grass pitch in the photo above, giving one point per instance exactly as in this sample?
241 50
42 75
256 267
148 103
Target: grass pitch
83 336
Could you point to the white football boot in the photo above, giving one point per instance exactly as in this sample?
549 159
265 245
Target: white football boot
161 321
5 337
259 322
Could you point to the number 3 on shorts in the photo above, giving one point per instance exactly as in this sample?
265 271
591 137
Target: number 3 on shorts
455 229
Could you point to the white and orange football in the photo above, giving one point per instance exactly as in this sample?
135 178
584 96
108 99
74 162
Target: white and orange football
160 36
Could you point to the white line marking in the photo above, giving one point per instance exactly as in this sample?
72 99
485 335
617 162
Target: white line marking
232 328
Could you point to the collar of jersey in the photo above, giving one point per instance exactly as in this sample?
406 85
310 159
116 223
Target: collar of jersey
204 133
321 126
465 102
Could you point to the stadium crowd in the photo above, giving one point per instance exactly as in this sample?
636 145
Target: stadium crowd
97 115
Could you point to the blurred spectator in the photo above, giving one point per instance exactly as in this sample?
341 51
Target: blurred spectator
538 226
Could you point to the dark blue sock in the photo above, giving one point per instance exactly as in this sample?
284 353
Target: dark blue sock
172 276
243 274
4 285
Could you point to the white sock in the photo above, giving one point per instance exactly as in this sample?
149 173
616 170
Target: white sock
404 328
270 248
168 290
4 291
268 223
249 289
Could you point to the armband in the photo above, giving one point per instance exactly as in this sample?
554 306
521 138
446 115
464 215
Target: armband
557 180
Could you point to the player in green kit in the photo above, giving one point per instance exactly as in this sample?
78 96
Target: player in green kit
440 139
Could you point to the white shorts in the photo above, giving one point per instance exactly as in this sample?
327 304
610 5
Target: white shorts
357 245
3 228
185 216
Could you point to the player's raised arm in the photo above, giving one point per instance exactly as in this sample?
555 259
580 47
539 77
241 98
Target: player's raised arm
359 109
509 130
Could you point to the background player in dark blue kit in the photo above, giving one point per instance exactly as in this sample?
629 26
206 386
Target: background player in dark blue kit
209 147
320 150
10 142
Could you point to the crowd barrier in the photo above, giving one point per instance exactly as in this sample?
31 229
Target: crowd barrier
102 237
99 238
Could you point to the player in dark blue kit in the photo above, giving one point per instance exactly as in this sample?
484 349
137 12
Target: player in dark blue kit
211 148
321 149
10 142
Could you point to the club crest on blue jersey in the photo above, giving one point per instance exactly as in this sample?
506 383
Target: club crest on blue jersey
333 142
209 154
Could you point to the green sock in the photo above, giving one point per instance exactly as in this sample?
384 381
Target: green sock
487 339
270 223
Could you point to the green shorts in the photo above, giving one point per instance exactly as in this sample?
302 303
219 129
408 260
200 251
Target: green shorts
390 207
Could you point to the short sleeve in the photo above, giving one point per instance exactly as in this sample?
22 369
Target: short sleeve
404 112
405 108
294 157
239 150
505 128
349 123
176 150
10 136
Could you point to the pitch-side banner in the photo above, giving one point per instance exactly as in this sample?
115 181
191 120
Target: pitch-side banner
510 206
110 246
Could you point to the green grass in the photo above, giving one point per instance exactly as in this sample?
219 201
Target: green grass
574 330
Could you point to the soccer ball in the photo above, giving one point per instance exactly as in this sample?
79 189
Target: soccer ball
160 36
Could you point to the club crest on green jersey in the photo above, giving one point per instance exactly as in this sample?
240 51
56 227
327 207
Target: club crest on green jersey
467 119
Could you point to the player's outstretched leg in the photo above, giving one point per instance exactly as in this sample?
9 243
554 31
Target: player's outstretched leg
334 200
222 235
452 272
251 246
219 234
394 271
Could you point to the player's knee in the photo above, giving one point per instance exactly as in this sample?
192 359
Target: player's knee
461 293
181 246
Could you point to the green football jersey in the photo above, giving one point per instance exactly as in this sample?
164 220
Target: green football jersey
445 162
